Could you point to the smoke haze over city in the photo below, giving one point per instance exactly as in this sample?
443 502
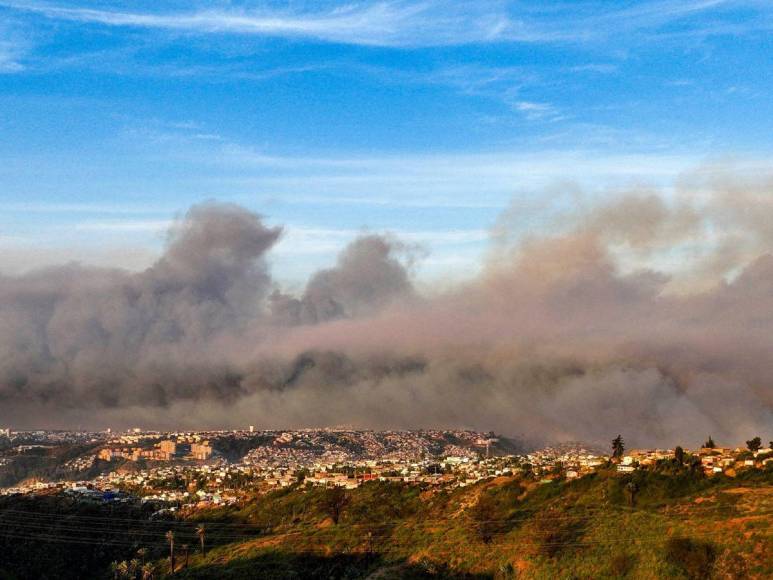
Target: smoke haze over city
579 329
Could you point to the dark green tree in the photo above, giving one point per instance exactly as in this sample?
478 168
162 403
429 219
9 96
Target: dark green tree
618 447
334 501
754 444
679 455
631 488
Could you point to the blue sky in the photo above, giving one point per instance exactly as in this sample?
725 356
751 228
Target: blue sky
425 119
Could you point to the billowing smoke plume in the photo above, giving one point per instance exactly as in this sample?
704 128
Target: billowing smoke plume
368 277
93 338
646 317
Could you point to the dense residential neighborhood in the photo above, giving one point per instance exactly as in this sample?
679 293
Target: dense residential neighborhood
190 470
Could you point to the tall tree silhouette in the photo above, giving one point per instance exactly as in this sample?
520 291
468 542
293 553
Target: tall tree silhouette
618 447
201 532
170 539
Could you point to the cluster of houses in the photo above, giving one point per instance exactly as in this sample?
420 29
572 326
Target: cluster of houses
713 460
166 450
81 463
572 460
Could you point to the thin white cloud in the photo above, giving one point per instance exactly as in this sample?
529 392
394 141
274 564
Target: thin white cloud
90 208
153 226
402 23
387 23
441 180
536 111
602 68
9 62
13 48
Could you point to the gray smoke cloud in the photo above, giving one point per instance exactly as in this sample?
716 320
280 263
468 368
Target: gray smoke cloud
89 338
368 277
649 315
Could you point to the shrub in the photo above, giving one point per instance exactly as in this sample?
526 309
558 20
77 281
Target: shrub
557 531
486 519
497 510
694 558
334 501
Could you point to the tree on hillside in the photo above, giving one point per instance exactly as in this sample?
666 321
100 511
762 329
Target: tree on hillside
201 532
186 551
334 501
679 455
170 539
618 447
754 444
631 489
709 443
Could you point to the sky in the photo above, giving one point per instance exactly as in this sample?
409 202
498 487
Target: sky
426 119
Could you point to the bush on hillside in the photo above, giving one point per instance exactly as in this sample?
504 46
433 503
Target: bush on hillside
694 558
493 512
557 531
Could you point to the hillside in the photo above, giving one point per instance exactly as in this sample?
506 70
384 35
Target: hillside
668 522
677 525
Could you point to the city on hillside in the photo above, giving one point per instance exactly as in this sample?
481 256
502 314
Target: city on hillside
196 470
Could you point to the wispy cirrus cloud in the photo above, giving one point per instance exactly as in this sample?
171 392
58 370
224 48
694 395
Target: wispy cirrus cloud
153 226
13 47
537 111
9 62
87 208
395 23
403 23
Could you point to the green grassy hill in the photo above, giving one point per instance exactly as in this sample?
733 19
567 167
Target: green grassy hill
642 525
668 522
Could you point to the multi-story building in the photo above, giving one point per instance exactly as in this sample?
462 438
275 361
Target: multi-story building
167 449
201 451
